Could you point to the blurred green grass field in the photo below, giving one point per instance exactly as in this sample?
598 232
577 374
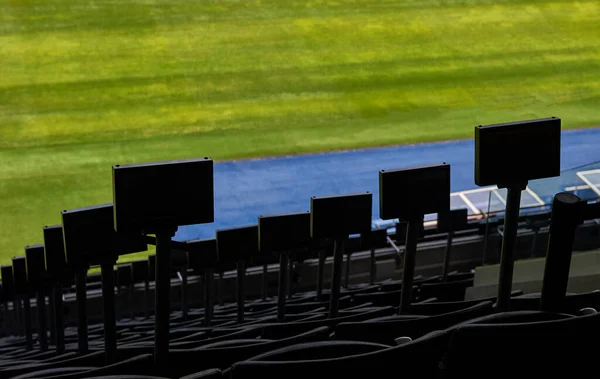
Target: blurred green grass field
88 84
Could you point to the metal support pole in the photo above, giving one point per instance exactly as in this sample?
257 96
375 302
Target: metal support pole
119 303
4 314
336 277
567 212
290 278
347 272
18 315
51 317
81 294
147 295
220 290
321 274
485 238
58 318
14 316
6 317
533 243
265 282
162 303
241 272
507 260
108 307
208 296
8 314
281 290
27 323
447 254
373 267
130 289
42 322
410 253
184 295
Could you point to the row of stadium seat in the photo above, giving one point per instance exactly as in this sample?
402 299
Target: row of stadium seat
421 325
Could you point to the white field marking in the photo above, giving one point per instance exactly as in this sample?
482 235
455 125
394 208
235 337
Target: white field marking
582 175
575 188
468 202
502 199
535 196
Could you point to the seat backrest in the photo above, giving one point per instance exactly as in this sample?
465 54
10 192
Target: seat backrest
276 331
60 372
179 260
19 267
436 308
540 349
139 270
124 275
319 350
234 343
212 373
68 360
439 307
237 244
54 253
572 302
216 336
458 276
223 354
140 365
451 291
387 331
283 233
36 266
202 254
8 283
518 317
420 357
383 298
152 267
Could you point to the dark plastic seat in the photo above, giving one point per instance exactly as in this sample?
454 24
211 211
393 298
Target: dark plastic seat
234 343
139 365
459 276
217 335
348 292
518 317
524 350
436 308
387 331
225 334
278 331
450 291
418 358
40 355
94 359
420 280
223 354
572 302
272 304
60 372
396 318
206 374
439 307
383 298
319 350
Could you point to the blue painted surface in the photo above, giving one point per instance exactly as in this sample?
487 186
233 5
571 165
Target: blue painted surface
249 188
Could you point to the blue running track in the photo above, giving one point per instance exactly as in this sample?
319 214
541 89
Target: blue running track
246 189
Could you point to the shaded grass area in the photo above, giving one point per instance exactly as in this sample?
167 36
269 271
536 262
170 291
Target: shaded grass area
84 85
